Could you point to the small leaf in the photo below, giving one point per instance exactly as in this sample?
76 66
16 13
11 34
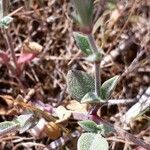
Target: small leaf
104 129
8 126
26 121
92 141
90 98
79 83
4 22
22 119
108 87
88 125
83 43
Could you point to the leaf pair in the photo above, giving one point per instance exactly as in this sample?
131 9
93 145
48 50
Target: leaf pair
93 140
81 87
91 126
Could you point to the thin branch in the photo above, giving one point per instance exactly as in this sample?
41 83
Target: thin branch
120 101
97 73
15 11
10 46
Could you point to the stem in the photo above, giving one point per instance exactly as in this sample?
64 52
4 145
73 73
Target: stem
10 46
97 78
96 64
97 73
15 71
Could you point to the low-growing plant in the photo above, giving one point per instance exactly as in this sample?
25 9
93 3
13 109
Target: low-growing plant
85 88
81 86
88 89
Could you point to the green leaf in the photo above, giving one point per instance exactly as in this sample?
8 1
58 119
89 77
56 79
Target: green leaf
88 125
90 98
108 87
91 126
4 22
79 83
8 126
83 43
26 121
104 129
92 141
84 9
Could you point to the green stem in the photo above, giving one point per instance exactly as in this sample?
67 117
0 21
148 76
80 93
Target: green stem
96 65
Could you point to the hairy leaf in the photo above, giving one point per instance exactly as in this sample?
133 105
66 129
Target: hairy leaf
26 121
92 141
79 83
104 129
8 126
108 87
83 43
88 125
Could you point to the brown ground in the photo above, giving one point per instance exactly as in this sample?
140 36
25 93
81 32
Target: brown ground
50 25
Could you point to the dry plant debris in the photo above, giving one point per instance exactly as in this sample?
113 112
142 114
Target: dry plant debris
42 32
